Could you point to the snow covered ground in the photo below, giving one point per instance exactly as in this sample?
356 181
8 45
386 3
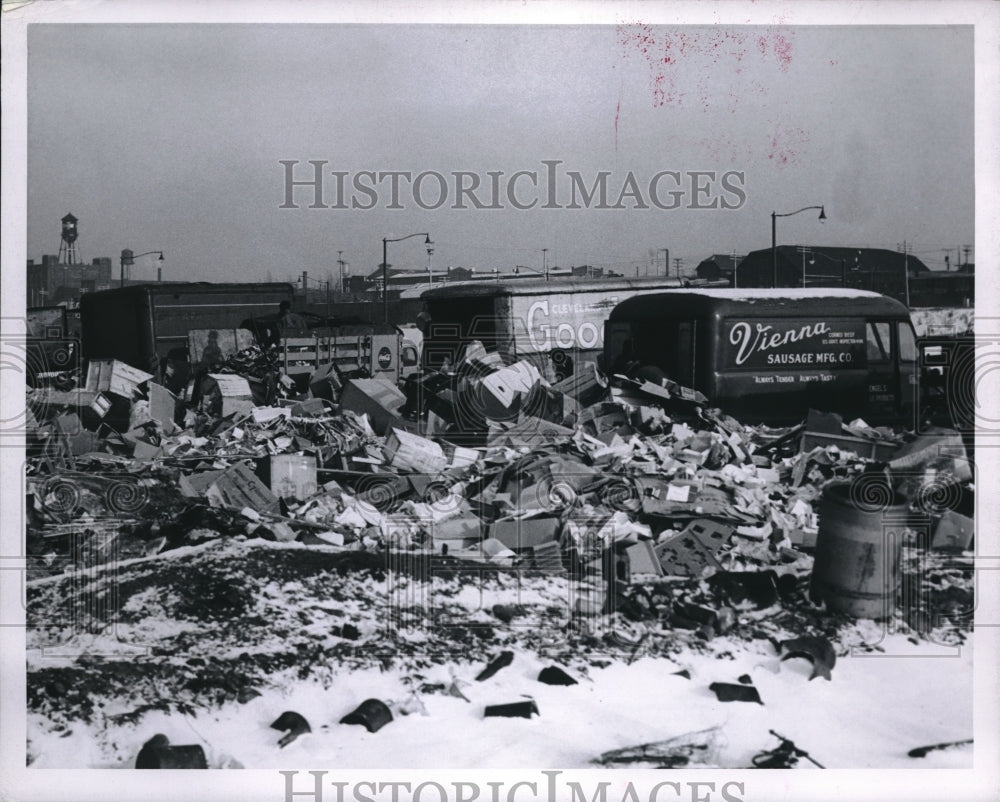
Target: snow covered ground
874 710
220 662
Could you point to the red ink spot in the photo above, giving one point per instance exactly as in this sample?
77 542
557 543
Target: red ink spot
784 145
618 110
703 52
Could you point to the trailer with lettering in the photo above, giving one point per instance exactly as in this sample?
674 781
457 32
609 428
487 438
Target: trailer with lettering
770 355
142 325
557 324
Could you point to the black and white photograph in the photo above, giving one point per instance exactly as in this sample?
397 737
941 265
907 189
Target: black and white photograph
428 401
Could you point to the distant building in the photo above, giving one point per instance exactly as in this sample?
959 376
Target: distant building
51 282
62 279
402 280
893 273
718 266
943 288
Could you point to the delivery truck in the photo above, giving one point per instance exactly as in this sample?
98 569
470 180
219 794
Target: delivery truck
143 324
558 324
771 355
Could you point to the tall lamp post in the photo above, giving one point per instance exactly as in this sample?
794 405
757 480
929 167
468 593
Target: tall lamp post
774 239
128 258
385 266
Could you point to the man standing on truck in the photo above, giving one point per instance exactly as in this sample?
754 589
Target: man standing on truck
287 319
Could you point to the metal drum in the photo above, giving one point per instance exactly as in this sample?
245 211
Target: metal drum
856 563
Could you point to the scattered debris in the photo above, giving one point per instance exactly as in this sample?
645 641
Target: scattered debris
513 710
785 756
372 714
814 648
693 749
292 724
735 692
921 751
502 660
158 753
553 675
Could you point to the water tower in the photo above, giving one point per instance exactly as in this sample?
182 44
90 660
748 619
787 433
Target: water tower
67 244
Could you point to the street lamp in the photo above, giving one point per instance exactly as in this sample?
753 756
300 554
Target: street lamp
842 262
128 258
774 245
385 266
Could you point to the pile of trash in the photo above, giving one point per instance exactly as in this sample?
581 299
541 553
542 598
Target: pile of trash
487 462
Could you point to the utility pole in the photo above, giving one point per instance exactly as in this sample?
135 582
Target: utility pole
677 266
906 269
666 261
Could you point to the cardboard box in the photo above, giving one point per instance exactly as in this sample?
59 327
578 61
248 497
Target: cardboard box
101 405
324 383
458 456
868 449
547 557
376 398
583 388
954 531
456 533
162 407
525 533
144 451
224 394
411 452
529 431
238 487
290 475
638 558
194 485
310 408
112 376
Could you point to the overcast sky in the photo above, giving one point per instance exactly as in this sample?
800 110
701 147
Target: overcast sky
171 137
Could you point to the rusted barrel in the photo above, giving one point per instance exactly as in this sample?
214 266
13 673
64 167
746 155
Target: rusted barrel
856 563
